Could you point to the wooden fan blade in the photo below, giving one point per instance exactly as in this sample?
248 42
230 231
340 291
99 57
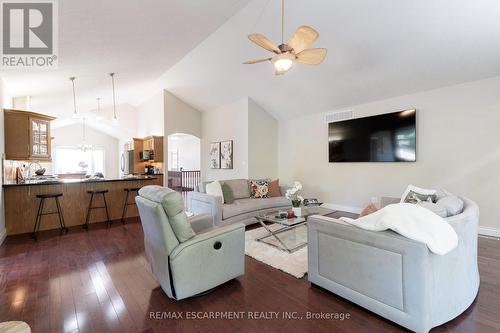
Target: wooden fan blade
263 42
302 38
311 56
255 61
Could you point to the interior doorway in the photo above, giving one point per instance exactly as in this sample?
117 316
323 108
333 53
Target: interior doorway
184 154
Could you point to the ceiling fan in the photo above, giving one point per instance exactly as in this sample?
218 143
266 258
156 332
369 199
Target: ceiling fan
294 51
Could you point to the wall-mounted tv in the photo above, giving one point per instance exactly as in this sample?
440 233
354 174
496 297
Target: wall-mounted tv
389 137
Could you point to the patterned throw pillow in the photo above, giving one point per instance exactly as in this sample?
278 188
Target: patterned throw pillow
414 194
259 189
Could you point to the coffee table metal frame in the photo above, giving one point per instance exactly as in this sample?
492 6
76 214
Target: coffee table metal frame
288 224
275 233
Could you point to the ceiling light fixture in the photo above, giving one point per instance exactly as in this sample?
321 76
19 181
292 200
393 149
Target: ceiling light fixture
99 115
75 113
84 146
294 51
115 118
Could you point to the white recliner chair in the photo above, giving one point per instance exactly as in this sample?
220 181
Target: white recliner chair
188 256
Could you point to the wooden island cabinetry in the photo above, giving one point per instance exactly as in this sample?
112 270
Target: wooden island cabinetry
21 202
27 136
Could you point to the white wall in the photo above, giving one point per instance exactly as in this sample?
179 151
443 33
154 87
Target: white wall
5 102
72 136
150 116
457 149
228 122
262 143
255 140
180 117
188 148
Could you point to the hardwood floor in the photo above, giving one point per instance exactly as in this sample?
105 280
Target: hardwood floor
99 281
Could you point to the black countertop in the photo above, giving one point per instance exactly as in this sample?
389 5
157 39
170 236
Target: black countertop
78 181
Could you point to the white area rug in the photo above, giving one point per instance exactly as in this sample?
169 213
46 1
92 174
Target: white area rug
294 264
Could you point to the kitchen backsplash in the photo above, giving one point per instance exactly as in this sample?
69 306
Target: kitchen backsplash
9 168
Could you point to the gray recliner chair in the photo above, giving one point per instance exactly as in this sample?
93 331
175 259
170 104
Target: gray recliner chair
188 256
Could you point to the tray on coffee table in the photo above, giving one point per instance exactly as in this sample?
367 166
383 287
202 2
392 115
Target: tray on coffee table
286 238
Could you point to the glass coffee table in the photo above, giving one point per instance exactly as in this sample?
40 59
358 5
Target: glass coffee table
288 234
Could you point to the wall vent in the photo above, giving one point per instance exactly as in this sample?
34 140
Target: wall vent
339 116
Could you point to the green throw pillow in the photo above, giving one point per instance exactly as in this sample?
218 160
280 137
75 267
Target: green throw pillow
227 193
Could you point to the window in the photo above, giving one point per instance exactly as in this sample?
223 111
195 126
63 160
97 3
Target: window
68 160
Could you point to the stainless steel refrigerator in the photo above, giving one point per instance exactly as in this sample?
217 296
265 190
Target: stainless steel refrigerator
127 162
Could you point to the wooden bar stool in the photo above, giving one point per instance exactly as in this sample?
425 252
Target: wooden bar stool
126 203
41 213
91 207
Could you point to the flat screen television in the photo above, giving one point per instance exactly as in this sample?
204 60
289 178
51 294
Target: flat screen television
389 137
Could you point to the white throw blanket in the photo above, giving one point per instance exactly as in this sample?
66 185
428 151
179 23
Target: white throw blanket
411 221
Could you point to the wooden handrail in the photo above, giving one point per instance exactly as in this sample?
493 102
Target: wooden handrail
187 180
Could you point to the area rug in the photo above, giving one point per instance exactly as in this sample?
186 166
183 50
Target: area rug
294 263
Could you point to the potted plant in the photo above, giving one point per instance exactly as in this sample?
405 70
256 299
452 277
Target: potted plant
292 194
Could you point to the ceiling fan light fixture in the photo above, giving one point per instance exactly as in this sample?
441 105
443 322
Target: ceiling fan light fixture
283 62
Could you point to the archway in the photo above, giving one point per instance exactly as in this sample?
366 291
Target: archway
184 154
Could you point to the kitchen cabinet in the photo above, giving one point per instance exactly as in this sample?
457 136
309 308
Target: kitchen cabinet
157 147
27 135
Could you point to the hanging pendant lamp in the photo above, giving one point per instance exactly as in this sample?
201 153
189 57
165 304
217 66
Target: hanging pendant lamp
115 117
75 112
99 114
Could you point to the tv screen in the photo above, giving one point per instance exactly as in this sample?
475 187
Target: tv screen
389 137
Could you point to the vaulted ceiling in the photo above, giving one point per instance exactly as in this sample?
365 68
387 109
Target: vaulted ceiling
139 40
376 49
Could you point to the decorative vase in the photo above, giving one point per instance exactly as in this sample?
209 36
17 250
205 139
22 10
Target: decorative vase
297 211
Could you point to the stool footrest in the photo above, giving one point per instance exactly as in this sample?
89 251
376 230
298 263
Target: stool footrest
49 213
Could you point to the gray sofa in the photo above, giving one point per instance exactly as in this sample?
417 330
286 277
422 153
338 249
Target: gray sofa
243 209
184 267
396 277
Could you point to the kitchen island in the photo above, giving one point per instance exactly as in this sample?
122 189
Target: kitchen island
21 204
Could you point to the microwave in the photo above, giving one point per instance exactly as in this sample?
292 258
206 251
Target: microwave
146 155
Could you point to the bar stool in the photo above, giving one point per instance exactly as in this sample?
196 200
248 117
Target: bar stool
126 203
91 207
41 213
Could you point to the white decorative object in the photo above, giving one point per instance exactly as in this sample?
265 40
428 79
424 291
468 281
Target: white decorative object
297 211
292 194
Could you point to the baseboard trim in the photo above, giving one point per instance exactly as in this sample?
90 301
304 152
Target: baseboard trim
350 209
3 235
489 231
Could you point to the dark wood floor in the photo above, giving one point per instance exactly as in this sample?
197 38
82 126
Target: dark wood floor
99 281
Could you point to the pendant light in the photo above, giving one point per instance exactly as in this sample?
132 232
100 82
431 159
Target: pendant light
84 146
75 113
99 115
115 118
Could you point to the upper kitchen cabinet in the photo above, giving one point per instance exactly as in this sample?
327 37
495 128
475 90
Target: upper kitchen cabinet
27 136
150 144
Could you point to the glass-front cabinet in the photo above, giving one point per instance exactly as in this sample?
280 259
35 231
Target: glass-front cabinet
27 136
40 138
